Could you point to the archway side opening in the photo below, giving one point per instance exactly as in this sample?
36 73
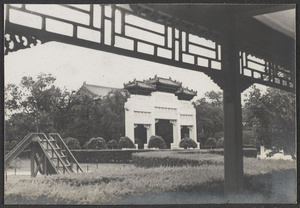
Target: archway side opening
184 132
140 136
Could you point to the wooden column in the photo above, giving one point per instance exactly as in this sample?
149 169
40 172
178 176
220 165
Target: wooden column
233 141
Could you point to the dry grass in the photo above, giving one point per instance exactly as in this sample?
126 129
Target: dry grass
111 183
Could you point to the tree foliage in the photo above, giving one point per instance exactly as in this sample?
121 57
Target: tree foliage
30 106
272 118
91 117
209 115
211 142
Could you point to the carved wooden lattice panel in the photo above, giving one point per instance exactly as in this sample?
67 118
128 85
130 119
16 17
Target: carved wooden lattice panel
265 71
118 29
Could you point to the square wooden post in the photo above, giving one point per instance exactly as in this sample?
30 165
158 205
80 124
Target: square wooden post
233 141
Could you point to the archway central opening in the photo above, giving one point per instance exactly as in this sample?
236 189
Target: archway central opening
164 129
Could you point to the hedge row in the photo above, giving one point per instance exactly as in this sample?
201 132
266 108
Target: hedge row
174 159
247 152
125 156
104 156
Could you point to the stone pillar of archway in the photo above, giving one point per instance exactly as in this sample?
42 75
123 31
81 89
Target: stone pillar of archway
129 127
149 131
176 134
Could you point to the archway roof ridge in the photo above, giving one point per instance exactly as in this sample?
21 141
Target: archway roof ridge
160 84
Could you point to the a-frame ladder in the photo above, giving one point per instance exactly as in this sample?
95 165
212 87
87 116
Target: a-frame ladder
49 155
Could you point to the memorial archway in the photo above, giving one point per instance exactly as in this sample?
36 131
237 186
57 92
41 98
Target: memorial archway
163 106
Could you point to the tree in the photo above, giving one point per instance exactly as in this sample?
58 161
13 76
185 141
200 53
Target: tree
31 104
89 117
272 118
209 115
211 142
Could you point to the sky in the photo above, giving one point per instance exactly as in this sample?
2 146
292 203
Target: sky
72 65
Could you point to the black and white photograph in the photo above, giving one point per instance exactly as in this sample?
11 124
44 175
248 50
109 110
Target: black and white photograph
149 104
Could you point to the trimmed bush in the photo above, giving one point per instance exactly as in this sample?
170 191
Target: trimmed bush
157 142
220 143
72 143
187 143
95 143
112 144
125 142
211 142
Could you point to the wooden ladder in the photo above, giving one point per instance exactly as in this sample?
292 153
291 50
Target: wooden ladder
49 155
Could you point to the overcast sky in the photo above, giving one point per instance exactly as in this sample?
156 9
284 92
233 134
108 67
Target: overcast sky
73 65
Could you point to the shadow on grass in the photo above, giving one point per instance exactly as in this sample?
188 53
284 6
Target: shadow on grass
276 187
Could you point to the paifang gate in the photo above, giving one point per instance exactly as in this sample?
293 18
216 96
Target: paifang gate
159 100
247 45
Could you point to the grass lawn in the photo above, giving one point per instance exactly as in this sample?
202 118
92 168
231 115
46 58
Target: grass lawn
266 181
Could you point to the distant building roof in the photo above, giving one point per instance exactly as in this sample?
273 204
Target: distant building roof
96 90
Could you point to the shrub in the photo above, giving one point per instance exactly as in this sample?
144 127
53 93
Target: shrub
220 143
112 144
95 143
219 135
125 142
72 143
211 142
157 142
187 143
249 137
